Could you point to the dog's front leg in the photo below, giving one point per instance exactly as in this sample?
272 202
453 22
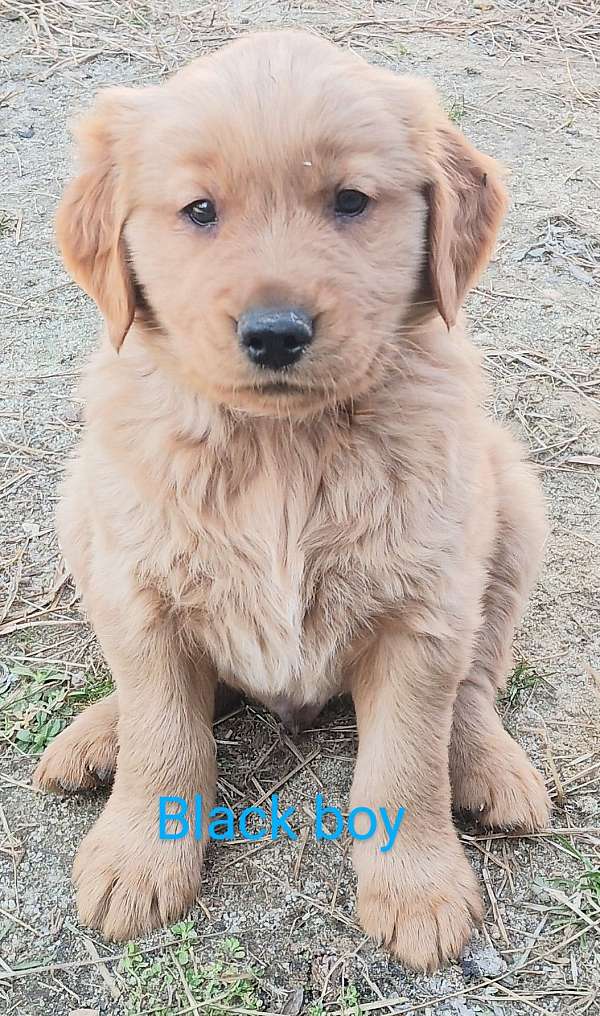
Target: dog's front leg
416 890
130 880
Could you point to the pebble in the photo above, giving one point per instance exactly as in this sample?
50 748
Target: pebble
482 961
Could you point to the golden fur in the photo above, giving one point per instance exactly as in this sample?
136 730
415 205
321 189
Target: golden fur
362 526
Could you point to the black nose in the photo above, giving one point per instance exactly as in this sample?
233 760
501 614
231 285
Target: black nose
275 337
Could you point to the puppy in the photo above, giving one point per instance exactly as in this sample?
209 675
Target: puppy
286 482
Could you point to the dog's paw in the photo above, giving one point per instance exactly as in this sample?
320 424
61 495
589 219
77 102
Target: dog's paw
130 882
503 790
82 757
422 909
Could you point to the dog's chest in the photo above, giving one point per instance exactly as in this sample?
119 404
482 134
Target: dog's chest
285 573
256 592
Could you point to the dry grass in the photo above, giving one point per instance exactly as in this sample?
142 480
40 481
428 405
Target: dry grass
161 34
68 32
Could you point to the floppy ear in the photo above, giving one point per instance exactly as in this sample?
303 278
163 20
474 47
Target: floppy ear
467 202
93 211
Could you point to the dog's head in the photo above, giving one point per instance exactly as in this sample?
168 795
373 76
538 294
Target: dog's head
274 217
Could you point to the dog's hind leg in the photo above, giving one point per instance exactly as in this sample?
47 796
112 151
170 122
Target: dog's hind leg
83 756
491 776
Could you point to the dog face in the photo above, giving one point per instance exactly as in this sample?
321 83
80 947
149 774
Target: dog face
274 217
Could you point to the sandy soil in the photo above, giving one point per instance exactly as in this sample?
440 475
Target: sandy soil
521 79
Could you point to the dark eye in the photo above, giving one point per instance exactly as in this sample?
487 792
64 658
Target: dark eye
202 212
350 202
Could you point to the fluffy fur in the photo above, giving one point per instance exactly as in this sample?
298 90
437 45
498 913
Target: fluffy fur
356 524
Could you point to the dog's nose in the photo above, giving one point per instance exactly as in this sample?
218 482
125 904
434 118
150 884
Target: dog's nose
275 337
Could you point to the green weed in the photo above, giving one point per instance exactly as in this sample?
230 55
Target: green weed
456 111
577 897
520 682
174 978
346 1001
42 703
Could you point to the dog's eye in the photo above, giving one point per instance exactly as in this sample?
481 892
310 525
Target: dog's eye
350 202
202 212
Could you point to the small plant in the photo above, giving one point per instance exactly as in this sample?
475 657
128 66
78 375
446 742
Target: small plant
346 1001
457 110
349 1000
522 680
186 935
38 709
42 703
398 48
166 982
92 691
582 891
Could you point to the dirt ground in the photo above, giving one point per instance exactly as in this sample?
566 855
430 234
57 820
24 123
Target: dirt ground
275 931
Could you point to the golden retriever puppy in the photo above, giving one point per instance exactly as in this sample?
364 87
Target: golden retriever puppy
286 482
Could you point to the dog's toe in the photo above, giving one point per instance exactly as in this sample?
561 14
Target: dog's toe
129 882
503 791
80 758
